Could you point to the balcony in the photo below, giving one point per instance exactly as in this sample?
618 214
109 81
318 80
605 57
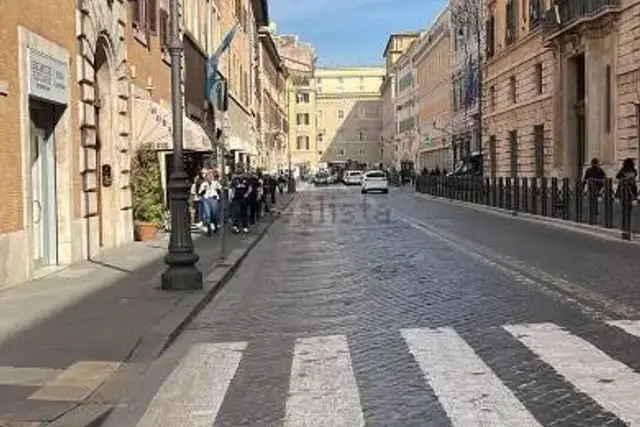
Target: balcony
569 14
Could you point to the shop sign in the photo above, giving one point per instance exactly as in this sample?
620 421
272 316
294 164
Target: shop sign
48 77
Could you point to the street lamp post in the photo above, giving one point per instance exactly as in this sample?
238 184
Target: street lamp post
181 273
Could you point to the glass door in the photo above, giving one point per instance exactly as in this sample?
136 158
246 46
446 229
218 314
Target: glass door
37 192
43 193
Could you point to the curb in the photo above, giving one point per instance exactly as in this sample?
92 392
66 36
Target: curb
592 230
162 335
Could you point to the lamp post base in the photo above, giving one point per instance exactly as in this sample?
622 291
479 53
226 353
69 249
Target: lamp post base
181 273
182 278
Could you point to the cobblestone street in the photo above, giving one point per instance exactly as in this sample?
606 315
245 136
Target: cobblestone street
396 310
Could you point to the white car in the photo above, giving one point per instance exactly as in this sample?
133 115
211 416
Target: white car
374 181
353 178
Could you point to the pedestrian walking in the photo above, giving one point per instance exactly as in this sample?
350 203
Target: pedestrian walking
212 197
254 199
281 183
241 191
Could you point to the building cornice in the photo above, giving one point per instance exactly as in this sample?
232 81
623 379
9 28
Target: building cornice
347 95
266 38
398 35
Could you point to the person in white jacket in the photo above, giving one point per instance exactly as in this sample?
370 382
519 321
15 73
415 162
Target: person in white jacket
209 192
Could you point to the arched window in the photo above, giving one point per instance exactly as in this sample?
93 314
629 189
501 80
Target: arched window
362 136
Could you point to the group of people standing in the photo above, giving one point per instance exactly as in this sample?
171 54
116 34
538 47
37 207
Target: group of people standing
251 195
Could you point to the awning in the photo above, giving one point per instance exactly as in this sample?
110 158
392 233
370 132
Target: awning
152 123
238 129
233 143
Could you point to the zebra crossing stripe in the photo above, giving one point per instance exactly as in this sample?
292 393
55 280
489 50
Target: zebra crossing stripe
631 327
322 386
470 392
192 394
612 384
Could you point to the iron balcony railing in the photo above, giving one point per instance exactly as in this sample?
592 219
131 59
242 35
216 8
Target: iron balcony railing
570 11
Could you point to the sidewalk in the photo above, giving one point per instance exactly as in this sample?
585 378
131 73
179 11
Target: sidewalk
62 336
597 230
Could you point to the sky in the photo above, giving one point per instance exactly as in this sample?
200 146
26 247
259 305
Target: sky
351 32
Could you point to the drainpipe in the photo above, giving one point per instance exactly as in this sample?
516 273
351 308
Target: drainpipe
637 104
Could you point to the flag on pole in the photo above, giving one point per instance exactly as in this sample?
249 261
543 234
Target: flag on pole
212 82
226 41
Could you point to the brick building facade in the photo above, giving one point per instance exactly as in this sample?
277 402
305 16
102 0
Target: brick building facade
272 98
432 59
41 217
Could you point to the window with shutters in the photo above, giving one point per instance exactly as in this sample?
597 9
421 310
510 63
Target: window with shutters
238 9
302 142
513 89
538 148
511 17
492 97
137 13
152 16
163 29
302 118
535 13
491 35
513 153
538 77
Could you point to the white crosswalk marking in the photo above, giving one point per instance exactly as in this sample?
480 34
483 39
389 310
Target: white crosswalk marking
322 387
629 326
192 394
615 386
323 391
470 392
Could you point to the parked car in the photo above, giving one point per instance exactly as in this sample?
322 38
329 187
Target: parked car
352 177
321 178
375 180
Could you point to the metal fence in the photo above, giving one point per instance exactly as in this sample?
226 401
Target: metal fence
604 203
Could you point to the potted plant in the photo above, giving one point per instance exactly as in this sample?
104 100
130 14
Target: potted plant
146 193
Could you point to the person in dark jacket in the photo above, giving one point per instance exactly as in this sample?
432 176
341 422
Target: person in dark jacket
594 175
241 189
629 173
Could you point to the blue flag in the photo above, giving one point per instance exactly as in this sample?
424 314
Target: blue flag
226 41
212 82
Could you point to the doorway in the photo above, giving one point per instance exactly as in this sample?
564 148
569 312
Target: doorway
103 133
43 185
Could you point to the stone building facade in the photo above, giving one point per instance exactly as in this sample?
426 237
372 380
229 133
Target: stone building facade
562 87
407 138
432 59
105 123
349 115
300 61
467 36
518 94
389 125
397 145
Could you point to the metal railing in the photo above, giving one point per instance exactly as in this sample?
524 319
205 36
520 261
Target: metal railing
604 203
570 11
